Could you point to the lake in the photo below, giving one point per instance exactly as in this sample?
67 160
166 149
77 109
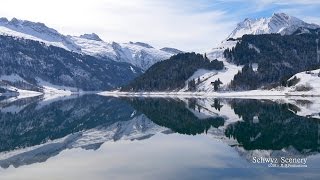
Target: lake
98 137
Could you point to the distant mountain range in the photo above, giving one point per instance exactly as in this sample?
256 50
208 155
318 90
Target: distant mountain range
36 57
138 54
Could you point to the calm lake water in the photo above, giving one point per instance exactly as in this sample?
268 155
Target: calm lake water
96 137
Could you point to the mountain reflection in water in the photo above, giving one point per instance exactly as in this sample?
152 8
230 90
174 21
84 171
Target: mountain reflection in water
36 129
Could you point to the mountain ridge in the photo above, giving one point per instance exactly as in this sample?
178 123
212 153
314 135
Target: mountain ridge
139 54
280 23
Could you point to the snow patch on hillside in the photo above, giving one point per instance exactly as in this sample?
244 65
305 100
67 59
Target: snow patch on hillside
307 80
251 46
207 77
51 89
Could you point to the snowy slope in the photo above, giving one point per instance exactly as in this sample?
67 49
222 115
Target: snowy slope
45 87
94 47
309 82
226 75
279 23
138 53
308 78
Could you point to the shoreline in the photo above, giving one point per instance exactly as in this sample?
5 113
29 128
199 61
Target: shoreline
261 94
231 94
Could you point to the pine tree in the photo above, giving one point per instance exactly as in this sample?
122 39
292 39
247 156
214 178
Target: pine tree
216 84
192 85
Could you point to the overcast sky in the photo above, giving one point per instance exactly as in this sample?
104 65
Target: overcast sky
191 25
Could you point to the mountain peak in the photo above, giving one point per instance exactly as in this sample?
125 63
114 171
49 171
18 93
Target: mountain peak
15 21
91 36
281 14
142 44
171 50
3 20
285 19
24 24
36 31
281 23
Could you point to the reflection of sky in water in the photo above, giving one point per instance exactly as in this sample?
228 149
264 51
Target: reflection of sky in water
160 157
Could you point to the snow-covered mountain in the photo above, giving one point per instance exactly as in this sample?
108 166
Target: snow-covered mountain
279 23
136 53
36 31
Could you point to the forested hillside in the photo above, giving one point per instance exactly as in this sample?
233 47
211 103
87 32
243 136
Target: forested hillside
172 74
276 57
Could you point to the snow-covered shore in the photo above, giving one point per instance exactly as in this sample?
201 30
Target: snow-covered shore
226 94
260 94
307 85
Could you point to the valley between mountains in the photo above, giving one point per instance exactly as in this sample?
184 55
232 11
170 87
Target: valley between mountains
275 56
